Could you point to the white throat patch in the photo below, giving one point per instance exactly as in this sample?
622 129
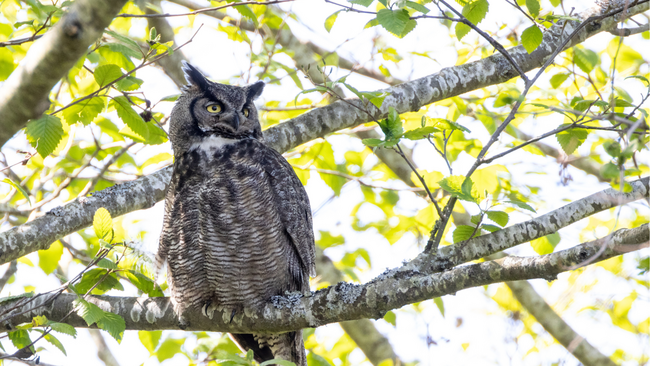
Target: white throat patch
212 143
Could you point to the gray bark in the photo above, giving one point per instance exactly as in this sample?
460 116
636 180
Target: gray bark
558 328
24 95
538 227
341 302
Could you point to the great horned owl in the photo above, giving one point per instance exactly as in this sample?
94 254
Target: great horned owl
238 226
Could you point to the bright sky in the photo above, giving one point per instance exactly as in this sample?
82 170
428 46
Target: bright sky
486 333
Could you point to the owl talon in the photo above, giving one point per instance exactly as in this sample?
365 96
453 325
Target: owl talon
208 309
232 316
204 309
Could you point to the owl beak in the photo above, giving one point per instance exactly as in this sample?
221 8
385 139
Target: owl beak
235 122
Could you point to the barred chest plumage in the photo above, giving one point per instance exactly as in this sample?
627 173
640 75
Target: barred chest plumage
228 227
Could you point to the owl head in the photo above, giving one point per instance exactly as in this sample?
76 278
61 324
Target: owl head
207 109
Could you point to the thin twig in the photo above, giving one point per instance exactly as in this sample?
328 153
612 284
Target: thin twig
205 10
492 41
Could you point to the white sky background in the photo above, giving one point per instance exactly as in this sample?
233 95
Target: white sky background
489 333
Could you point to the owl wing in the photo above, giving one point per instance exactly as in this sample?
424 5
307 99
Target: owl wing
165 237
293 206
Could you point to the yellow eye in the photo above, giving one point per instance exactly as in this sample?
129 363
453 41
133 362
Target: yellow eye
214 108
246 112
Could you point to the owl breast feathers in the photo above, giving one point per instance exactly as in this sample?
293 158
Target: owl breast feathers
238 226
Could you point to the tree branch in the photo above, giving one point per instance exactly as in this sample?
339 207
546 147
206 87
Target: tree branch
341 302
558 328
538 227
24 95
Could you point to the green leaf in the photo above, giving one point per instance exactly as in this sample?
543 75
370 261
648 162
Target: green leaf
458 187
48 259
533 8
392 125
490 228
571 139
143 283
130 117
84 111
157 135
93 276
558 79
106 263
113 324
126 41
124 53
44 134
63 328
153 35
365 3
372 142
277 361
644 266
7 65
522 204
463 232
90 313
247 12
585 59
55 342
328 240
107 74
642 78
20 338
474 12
129 83
419 133
170 98
531 38
417 7
500 217
158 158
169 348
445 124
371 23
103 224
440 305
610 171
391 318
329 22
546 244
150 340
19 189
397 22
316 360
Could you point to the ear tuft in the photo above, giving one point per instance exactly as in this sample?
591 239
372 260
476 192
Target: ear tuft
194 77
253 91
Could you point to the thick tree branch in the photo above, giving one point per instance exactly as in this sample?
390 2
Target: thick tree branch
341 302
558 328
411 96
538 227
78 214
24 95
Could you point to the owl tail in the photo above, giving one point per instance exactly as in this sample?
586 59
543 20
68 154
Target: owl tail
285 346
